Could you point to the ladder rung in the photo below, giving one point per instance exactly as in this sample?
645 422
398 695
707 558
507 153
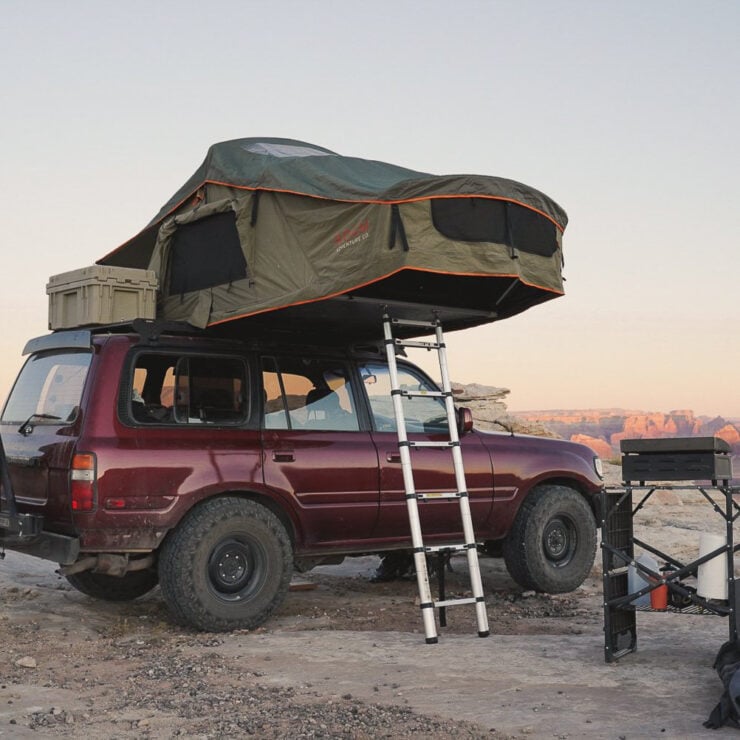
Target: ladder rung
423 394
451 548
413 322
416 343
456 602
425 496
446 443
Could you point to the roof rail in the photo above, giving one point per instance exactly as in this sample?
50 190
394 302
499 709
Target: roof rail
151 329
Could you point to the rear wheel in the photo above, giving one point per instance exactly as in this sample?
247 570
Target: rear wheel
227 566
552 543
114 588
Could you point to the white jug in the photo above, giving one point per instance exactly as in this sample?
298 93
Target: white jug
636 580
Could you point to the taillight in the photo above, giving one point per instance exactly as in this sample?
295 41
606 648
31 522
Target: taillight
83 482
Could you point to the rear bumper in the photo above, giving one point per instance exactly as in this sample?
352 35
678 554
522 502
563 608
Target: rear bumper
23 533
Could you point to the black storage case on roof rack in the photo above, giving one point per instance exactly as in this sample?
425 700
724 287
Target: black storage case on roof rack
680 458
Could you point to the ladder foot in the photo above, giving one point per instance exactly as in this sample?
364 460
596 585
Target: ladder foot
432 640
484 634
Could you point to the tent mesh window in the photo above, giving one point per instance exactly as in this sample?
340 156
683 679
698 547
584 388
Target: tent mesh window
497 221
193 266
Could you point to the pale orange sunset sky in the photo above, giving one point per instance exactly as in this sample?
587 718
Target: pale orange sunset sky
627 114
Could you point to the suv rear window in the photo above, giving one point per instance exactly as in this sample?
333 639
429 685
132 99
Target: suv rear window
48 389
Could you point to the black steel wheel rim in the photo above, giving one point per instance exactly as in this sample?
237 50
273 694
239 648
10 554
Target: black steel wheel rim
559 541
236 567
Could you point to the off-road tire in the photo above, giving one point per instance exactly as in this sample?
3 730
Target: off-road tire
114 588
226 566
552 543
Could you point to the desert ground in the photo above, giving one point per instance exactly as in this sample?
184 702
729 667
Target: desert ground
346 658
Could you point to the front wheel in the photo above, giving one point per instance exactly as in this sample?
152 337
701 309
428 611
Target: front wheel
227 565
552 543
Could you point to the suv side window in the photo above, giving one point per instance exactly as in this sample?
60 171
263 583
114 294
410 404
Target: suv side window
423 414
302 393
175 389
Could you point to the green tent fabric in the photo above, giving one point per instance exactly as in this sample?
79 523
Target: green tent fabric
278 236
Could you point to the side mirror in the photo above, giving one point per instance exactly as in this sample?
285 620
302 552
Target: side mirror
464 420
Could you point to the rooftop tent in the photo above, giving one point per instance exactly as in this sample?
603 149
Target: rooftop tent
279 236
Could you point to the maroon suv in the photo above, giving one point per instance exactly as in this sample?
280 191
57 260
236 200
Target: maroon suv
214 467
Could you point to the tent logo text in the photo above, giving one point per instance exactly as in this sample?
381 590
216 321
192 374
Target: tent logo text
351 236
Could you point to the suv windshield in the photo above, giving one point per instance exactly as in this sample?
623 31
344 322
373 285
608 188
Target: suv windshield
49 388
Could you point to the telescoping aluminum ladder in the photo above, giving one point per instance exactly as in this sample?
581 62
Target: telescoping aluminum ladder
413 498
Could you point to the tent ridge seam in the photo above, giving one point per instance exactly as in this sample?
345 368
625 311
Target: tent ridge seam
375 201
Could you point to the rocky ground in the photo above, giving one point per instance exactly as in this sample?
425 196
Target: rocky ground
108 671
345 658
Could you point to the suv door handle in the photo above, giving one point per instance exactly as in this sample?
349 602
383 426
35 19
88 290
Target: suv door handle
283 456
393 457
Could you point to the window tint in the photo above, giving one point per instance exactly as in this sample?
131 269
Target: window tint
172 389
49 385
422 414
307 394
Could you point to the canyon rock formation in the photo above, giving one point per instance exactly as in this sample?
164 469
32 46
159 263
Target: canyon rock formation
600 429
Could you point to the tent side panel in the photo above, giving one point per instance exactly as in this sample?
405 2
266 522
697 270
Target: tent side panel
296 250
429 249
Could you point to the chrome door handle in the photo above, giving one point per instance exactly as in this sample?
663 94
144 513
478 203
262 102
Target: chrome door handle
283 456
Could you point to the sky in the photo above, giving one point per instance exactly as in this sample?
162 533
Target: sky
627 114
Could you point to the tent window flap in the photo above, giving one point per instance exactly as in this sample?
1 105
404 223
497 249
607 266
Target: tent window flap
206 253
497 221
